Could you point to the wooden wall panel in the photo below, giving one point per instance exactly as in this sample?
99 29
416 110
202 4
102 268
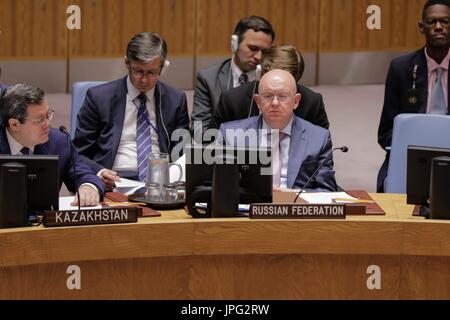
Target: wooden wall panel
36 28
343 25
33 28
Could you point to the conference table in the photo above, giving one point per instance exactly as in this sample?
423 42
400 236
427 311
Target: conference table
393 256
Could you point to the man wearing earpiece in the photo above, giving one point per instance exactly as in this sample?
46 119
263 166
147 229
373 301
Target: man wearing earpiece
122 121
251 37
239 103
418 82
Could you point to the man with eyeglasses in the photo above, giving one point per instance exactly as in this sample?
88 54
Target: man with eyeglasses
418 82
25 129
122 121
298 147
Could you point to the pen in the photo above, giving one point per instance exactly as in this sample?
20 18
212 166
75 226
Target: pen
353 200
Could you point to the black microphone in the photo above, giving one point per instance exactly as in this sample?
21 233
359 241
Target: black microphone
64 130
343 149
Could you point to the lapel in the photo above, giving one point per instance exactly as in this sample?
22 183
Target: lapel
159 98
422 78
254 90
41 148
117 114
4 145
297 150
225 79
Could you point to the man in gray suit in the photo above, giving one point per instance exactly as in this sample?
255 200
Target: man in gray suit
250 38
298 146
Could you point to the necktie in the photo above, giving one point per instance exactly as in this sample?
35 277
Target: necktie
243 79
143 139
277 157
25 151
437 101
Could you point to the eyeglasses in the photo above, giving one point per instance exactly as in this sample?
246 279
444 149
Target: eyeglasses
41 121
142 73
282 98
432 21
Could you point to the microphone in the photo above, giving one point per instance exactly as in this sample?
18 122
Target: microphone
64 130
343 149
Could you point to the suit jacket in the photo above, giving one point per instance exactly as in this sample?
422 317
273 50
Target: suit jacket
397 98
209 85
100 120
238 103
310 145
72 168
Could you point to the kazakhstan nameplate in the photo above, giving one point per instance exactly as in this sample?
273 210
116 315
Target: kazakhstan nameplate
296 211
91 216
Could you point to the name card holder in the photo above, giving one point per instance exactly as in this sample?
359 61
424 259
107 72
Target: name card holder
297 211
63 218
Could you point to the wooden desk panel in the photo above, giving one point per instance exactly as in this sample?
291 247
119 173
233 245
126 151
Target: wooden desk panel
177 257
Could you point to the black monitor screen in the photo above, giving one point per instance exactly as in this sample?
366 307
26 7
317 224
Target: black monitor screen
419 172
254 169
42 182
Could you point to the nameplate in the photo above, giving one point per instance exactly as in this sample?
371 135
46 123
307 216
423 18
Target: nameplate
90 216
296 211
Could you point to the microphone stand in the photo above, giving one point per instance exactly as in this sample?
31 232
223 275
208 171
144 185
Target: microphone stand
64 130
343 149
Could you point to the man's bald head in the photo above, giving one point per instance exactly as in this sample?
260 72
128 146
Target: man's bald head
277 98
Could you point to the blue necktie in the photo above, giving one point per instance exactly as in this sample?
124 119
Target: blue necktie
25 151
437 101
143 138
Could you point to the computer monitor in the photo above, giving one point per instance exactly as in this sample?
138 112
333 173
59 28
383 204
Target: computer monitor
255 170
42 182
418 174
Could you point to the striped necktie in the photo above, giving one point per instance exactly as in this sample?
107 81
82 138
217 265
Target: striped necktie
243 79
143 139
437 101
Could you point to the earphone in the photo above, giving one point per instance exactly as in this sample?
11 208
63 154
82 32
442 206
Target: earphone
234 43
164 67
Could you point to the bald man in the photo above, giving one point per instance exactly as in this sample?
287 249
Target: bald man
298 146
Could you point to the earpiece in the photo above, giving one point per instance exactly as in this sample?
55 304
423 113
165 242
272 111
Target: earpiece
165 67
234 43
258 72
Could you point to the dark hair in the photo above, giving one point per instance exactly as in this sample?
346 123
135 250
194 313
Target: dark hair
286 58
16 99
430 3
146 46
256 24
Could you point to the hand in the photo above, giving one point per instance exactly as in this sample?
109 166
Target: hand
109 177
89 197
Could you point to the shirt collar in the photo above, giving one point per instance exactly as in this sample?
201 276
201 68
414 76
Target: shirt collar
433 65
286 130
237 72
15 146
133 93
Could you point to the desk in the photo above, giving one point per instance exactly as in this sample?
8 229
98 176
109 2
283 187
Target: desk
177 257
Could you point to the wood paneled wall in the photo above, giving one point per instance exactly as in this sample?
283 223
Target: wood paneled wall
37 28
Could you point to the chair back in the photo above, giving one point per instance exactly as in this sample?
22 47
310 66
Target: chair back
79 90
413 129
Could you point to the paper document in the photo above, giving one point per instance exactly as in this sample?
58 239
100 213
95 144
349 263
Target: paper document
64 204
128 186
326 197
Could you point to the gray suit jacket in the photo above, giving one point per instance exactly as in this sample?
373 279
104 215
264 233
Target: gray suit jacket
210 84
310 146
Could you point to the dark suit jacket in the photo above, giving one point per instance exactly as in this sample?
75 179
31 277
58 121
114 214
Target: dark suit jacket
309 146
234 104
396 98
209 85
100 120
60 144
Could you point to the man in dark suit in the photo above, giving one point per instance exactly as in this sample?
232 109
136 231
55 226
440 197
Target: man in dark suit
298 146
238 103
26 129
411 83
252 35
120 122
